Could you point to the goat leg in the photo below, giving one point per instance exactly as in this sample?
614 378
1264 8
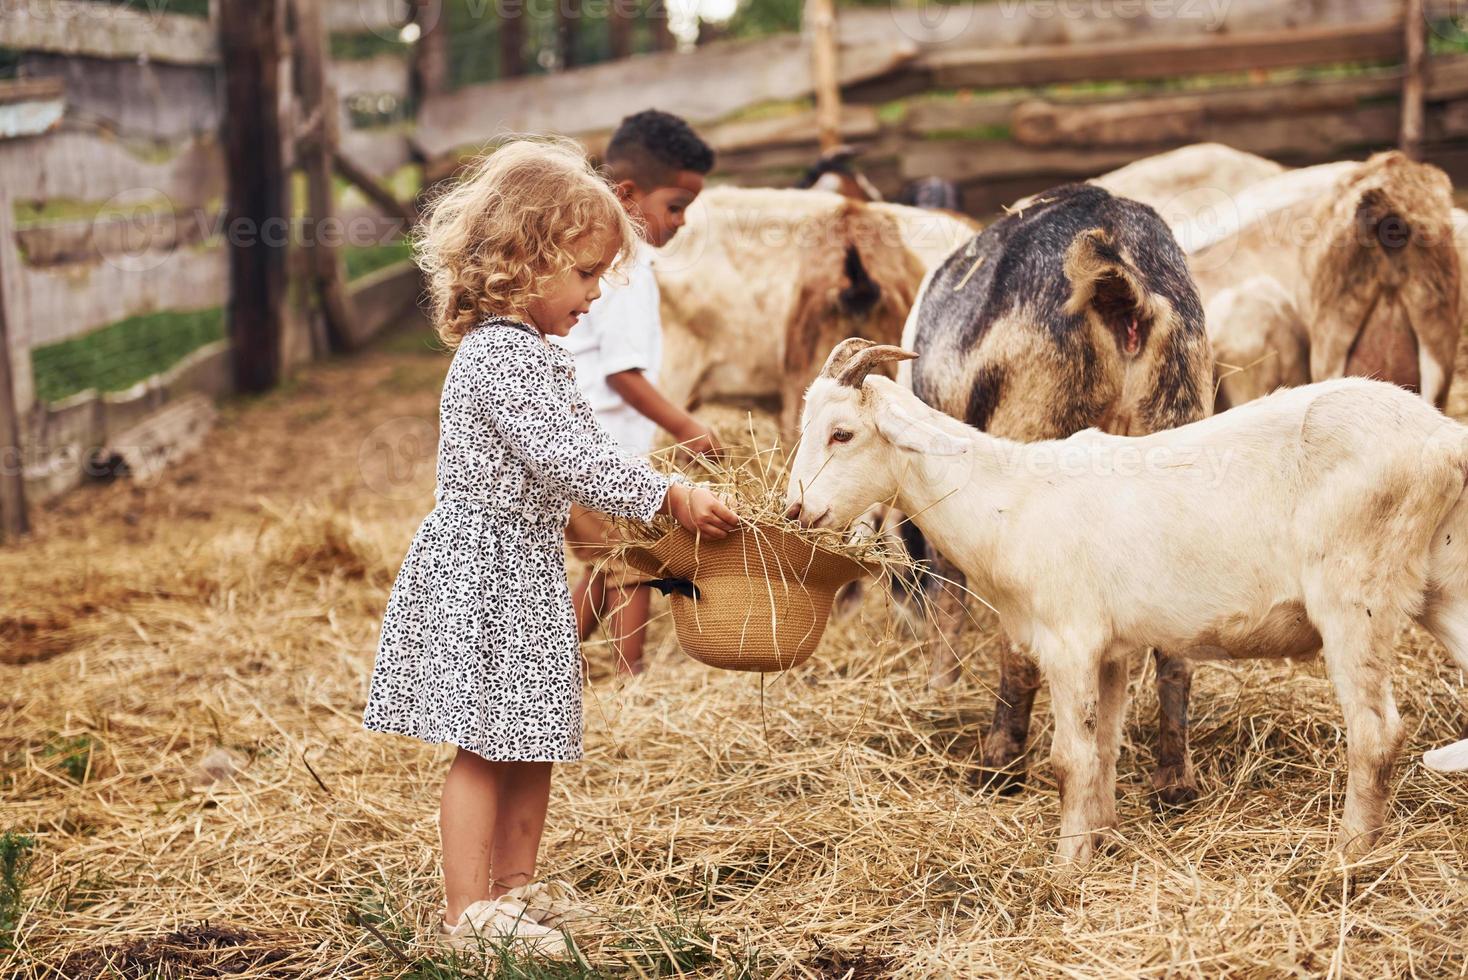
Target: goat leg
1173 781
1004 745
945 586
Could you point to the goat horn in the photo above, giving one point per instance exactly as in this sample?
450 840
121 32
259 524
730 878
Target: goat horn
859 366
842 353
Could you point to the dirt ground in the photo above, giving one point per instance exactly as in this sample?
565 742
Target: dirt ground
183 669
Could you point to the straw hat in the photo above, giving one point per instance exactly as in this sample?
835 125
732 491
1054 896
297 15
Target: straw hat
755 600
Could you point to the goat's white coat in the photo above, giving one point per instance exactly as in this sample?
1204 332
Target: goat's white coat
1339 512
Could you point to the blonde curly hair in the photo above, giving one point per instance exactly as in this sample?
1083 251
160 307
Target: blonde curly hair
491 240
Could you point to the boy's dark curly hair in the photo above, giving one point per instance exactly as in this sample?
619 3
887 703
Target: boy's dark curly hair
651 146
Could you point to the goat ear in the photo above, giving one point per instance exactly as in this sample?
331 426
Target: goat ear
907 431
857 369
842 353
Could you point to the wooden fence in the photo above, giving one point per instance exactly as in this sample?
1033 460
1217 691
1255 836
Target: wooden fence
113 255
113 178
1031 92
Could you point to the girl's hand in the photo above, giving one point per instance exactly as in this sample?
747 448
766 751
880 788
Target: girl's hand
699 510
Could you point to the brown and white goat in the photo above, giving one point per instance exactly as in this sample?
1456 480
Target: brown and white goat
760 283
1317 518
1360 260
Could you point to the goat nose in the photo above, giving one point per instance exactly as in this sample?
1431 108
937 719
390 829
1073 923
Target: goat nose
793 511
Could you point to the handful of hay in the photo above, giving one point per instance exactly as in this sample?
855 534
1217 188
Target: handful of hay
759 599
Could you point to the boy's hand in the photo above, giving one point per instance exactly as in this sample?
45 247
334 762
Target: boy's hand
700 510
699 439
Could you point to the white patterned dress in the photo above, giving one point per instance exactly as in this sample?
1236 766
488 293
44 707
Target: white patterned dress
479 644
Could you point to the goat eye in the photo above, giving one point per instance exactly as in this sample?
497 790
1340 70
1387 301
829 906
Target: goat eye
840 435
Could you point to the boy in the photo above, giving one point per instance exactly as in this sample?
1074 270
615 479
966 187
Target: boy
658 164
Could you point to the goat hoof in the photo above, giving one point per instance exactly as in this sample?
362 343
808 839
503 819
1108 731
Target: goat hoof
1171 789
1000 781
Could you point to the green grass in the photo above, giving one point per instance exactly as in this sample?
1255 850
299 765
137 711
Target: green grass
189 8
361 47
993 131
364 260
121 354
15 860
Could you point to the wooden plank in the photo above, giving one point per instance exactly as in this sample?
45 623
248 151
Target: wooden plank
1147 119
379 152
86 166
124 238
1166 58
701 86
14 90
384 74
381 17
251 41
72 429
69 300
970 160
798 129
386 297
375 192
956 115
163 439
14 516
105 30
140 98
1055 22
318 103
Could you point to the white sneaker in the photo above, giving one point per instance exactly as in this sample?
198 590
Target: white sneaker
502 920
553 903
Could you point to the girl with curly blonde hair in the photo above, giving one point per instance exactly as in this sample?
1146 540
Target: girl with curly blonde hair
479 643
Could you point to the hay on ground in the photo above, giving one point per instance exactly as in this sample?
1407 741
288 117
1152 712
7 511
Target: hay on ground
818 824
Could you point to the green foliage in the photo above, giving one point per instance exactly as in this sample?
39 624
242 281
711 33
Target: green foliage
360 47
15 861
189 8
757 18
364 260
121 354
73 756
1447 36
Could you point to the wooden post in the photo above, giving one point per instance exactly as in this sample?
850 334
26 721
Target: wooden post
322 238
431 51
382 197
14 520
512 39
1412 84
657 26
568 32
619 27
820 16
258 219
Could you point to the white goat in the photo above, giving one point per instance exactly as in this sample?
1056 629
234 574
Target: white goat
1321 516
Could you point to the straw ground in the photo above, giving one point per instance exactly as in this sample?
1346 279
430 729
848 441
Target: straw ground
185 669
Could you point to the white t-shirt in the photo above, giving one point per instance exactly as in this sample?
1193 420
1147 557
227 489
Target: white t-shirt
622 331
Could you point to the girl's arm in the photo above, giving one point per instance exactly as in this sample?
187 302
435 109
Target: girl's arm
562 443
